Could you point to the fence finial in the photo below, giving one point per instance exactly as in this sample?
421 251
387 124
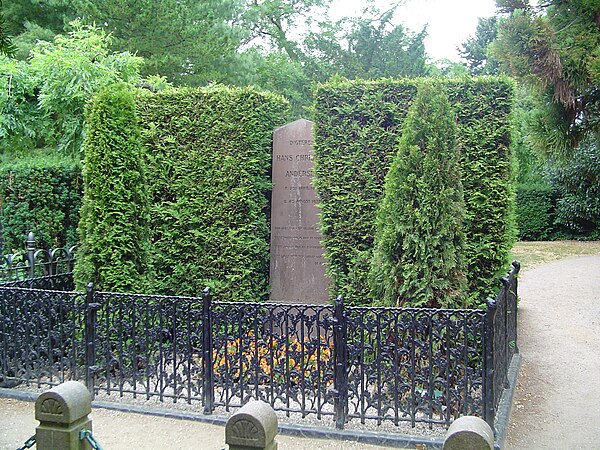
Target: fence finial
31 253
30 241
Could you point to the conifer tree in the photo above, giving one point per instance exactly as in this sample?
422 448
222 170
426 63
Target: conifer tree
114 216
418 260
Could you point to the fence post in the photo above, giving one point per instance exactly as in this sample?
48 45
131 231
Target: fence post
505 328
31 253
91 310
513 295
207 345
489 401
340 373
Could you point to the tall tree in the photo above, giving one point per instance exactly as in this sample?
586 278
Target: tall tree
6 46
114 216
187 41
556 49
475 50
278 20
32 20
370 46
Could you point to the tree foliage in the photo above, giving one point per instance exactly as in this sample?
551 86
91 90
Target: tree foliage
43 100
555 48
282 44
578 184
23 125
476 50
418 257
277 20
7 48
367 47
114 216
187 41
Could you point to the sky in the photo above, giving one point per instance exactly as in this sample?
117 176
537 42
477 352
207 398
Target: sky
451 22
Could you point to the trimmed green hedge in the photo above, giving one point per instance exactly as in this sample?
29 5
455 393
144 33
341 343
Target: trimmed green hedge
208 153
357 126
204 162
114 217
42 195
536 207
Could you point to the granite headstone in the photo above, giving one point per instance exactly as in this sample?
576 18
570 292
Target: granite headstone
297 272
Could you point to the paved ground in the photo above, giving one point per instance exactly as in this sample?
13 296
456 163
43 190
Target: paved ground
117 430
557 404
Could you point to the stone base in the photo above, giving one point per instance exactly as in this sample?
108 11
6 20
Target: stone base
51 436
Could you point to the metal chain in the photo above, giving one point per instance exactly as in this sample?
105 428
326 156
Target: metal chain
28 443
86 435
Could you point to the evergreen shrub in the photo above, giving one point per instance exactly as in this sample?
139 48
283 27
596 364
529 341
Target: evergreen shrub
535 210
418 258
113 226
43 195
357 126
208 155
182 179
578 184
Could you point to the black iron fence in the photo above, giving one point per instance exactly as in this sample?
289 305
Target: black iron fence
32 263
383 364
500 339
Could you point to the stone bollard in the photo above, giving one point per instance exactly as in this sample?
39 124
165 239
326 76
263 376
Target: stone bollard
469 433
63 412
253 427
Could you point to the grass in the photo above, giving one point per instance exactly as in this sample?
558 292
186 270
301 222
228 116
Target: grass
533 253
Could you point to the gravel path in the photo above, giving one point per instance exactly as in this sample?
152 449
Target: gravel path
557 404
116 430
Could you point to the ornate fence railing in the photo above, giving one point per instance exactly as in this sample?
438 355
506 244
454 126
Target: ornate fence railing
383 364
33 263
500 339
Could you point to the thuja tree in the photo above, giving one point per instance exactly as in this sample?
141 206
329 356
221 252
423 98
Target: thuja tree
113 226
418 257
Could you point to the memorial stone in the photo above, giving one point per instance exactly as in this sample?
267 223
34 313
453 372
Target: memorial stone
297 272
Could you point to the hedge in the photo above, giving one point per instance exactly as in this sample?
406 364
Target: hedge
43 195
204 161
535 211
208 153
357 126
114 217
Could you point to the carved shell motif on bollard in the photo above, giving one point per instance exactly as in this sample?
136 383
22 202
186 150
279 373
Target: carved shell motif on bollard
253 427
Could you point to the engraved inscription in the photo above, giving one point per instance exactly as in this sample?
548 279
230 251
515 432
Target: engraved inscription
297 263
